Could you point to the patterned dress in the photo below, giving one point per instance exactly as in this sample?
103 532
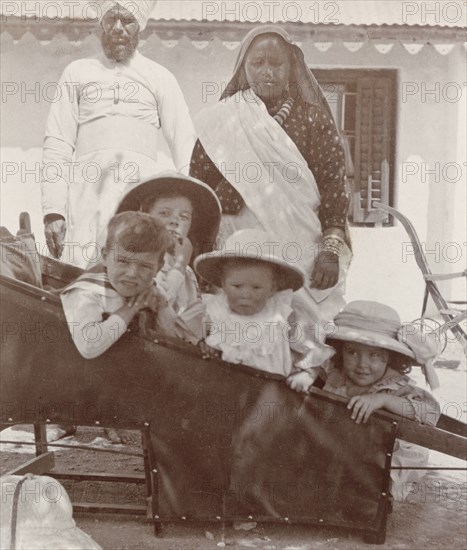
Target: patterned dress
315 135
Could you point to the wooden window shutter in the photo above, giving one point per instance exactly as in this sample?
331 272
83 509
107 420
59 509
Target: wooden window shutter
372 148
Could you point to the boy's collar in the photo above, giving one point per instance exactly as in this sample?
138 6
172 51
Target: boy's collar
97 275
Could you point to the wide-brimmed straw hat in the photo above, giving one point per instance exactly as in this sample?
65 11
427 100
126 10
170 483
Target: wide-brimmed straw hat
206 206
373 324
249 244
36 514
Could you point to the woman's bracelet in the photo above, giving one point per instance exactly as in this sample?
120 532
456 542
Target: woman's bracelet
333 244
334 237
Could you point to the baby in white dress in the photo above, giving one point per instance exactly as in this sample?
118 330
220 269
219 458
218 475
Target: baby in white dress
251 320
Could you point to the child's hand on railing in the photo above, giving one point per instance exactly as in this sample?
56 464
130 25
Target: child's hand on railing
363 406
208 352
300 381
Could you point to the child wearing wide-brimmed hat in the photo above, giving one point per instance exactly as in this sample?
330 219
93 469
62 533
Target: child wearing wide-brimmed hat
191 212
251 320
374 353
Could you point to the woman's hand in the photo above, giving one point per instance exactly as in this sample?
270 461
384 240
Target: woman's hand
325 271
364 405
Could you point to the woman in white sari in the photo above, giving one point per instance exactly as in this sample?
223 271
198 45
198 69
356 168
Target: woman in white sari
271 151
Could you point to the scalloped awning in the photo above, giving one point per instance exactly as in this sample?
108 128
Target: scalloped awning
229 40
353 23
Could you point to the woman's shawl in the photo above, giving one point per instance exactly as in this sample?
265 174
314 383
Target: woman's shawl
302 83
258 158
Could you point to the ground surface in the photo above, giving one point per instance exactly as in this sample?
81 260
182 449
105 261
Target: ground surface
434 517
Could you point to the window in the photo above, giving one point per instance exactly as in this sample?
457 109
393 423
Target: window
363 104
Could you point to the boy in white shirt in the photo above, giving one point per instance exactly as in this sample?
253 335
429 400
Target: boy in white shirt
104 300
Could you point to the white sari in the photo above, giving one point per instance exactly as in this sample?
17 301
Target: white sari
259 159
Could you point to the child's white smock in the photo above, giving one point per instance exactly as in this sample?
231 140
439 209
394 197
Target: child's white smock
260 340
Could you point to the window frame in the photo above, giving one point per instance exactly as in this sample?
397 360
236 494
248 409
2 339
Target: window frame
330 80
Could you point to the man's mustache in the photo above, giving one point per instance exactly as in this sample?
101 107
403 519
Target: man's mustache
116 51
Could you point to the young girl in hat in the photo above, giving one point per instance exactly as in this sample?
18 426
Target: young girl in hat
251 320
374 353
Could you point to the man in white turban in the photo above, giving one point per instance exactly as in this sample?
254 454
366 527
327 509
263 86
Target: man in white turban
141 10
102 135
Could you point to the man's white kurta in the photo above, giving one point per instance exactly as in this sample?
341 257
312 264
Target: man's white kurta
101 137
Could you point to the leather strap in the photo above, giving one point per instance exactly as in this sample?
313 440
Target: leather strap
14 512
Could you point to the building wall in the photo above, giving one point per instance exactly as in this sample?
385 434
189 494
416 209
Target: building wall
430 136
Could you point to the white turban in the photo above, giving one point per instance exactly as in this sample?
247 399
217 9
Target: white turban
140 9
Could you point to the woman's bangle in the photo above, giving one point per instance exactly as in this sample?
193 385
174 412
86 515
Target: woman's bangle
333 244
332 236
